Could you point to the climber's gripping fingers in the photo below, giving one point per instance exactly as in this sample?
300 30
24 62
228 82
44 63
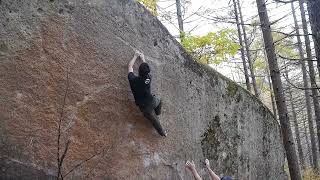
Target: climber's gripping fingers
137 53
142 57
132 61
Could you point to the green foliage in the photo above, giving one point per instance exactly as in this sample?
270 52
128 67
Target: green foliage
263 86
232 88
213 47
309 174
285 45
151 5
259 64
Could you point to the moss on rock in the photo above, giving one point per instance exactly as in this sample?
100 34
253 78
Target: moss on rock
232 88
210 140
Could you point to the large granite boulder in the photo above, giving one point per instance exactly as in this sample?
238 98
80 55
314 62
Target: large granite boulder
66 61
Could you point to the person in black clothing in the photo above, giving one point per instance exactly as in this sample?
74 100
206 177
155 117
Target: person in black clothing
149 104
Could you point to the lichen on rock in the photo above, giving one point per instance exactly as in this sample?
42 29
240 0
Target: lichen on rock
232 88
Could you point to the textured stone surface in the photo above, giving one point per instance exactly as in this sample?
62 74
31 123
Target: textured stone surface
205 114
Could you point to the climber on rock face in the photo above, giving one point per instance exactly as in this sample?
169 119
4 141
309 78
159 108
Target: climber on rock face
149 104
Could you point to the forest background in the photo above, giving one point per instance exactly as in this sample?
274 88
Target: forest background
271 48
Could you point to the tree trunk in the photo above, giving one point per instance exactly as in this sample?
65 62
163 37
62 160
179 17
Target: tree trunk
292 158
306 93
314 18
180 20
311 70
308 143
253 77
274 108
246 74
295 123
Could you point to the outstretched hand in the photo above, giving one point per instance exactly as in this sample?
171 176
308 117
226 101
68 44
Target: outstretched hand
190 165
207 163
212 174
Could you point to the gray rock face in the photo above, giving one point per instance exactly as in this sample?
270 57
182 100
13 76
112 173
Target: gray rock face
49 49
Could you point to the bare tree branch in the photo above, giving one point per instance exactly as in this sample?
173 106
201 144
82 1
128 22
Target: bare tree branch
289 34
301 88
275 42
59 128
79 164
64 153
294 59
281 1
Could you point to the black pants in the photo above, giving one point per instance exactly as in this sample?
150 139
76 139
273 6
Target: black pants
151 111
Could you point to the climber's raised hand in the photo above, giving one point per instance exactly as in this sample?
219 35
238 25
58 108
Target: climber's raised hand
142 57
192 167
207 163
212 174
137 53
133 60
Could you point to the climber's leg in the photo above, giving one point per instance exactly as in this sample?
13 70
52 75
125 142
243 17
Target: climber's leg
152 117
157 104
